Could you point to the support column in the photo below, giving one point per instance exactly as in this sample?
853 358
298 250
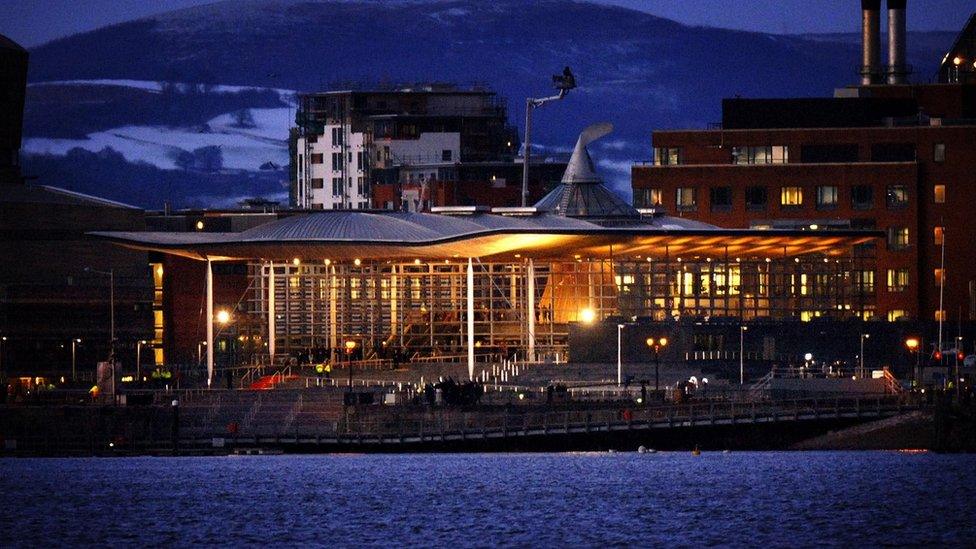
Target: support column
272 329
394 297
470 308
333 314
210 326
530 273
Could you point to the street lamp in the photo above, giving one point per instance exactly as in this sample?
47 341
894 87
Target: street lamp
139 345
223 317
2 340
200 347
587 316
657 345
74 344
863 337
562 82
620 330
742 355
913 344
350 347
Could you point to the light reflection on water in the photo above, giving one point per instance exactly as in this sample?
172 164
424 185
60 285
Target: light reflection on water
578 499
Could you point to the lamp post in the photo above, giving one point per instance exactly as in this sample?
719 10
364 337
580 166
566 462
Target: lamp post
863 337
620 330
74 344
350 347
562 82
3 339
656 345
742 355
913 344
200 347
139 345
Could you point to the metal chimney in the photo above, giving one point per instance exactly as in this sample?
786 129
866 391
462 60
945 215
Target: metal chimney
897 69
871 42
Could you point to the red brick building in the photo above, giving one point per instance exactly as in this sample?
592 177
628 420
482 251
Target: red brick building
899 158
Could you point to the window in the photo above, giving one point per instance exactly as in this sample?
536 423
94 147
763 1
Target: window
865 281
940 194
896 315
667 156
756 198
336 137
821 154
939 276
897 196
791 196
897 238
767 154
721 198
862 197
336 186
941 315
826 197
317 158
897 280
337 161
648 198
446 155
686 200
939 236
938 154
893 152
317 183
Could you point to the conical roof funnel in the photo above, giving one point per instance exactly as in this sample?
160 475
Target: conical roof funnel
582 192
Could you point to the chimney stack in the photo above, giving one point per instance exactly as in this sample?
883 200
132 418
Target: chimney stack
871 72
897 69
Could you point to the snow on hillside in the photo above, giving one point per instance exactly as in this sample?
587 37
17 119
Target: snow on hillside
241 148
262 137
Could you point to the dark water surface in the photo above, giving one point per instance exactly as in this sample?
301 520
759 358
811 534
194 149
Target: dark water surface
739 499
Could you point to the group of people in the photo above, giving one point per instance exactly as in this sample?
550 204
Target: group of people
451 393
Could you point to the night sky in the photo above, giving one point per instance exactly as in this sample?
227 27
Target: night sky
33 22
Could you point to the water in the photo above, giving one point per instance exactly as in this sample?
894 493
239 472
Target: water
740 499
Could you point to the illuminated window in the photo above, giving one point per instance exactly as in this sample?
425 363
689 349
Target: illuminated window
897 280
939 236
765 154
865 281
791 196
648 198
897 196
939 152
826 196
686 199
940 194
896 315
939 277
941 315
667 156
898 238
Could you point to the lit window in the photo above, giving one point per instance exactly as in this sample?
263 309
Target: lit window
686 198
765 154
791 196
897 196
939 235
648 198
897 280
667 156
826 196
898 238
939 152
939 277
940 315
864 280
896 315
940 194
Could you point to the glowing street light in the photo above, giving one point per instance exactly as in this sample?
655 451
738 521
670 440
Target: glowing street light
914 344
657 345
139 345
223 316
863 337
587 316
350 346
